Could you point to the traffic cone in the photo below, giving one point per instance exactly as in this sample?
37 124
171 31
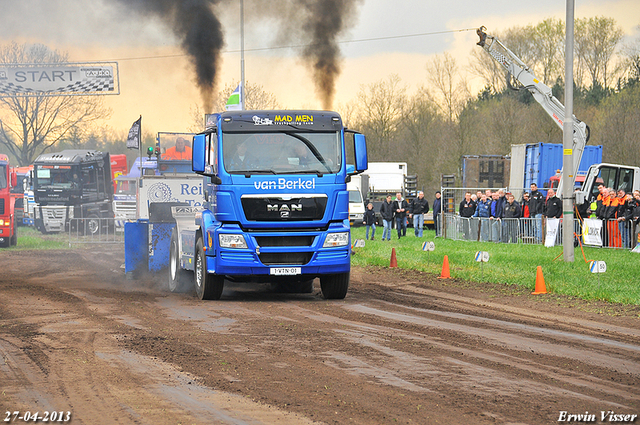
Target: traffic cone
445 268
541 288
394 261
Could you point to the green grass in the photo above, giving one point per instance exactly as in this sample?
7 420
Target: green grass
511 264
30 238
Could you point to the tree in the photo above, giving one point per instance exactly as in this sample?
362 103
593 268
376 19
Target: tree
31 125
451 92
596 40
381 107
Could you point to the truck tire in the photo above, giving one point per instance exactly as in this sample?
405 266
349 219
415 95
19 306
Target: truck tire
208 286
14 238
335 286
179 279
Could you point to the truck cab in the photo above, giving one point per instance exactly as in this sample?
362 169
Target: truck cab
8 223
616 176
73 184
276 201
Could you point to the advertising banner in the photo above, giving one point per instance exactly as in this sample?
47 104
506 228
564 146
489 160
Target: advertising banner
59 79
592 232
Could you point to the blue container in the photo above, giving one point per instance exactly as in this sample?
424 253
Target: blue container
543 160
136 244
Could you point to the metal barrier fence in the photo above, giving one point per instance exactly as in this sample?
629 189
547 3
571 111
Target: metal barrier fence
613 234
94 230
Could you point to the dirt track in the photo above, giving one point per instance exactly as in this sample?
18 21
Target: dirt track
403 347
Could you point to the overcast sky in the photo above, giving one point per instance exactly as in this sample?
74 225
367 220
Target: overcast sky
157 81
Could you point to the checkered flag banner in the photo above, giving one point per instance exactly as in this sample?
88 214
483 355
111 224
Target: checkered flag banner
63 79
133 140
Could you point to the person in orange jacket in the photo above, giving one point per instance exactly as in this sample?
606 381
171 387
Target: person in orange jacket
621 217
180 151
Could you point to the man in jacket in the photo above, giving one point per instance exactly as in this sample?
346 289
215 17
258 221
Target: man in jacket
386 211
536 210
497 212
512 213
437 206
400 208
623 217
635 216
483 212
466 210
419 207
554 205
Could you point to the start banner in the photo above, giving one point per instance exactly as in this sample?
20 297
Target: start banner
89 78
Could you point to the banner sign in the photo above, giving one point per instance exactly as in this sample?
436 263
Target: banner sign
552 232
59 79
592 232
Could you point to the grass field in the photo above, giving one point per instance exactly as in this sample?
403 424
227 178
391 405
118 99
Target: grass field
30 238
511 264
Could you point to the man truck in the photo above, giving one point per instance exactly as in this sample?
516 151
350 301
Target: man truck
276 206
73 184
8 223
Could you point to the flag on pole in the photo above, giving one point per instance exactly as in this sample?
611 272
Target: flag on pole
133 140
235 102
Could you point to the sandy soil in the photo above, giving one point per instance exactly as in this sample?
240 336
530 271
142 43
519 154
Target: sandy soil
403 347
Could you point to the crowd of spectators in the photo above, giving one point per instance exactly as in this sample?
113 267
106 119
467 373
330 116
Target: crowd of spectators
497 216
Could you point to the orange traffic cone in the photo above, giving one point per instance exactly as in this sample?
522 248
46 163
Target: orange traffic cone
445 268
394 261
541 288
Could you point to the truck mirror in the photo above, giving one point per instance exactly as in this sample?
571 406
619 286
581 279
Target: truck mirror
360 152
199 157
14 179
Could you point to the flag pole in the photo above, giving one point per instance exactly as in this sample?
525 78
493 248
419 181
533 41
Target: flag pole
241 55
138 180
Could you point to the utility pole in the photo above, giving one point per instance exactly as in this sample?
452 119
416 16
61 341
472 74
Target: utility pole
568 194
242 103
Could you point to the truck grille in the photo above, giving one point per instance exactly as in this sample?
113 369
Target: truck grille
266 241
281 258
2 206
274 208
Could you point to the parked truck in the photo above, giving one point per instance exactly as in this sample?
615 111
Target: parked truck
73 184
8 223
275 206
358 188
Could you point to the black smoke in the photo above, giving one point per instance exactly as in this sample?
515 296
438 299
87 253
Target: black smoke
325 20
199 31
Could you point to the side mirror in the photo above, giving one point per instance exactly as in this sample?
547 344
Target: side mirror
14 179
360 146
199 156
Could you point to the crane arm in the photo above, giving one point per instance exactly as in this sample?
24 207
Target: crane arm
540 92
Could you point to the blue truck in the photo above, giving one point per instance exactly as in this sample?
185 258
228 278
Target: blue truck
275 204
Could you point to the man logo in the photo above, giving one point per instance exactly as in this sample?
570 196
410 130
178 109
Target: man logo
284 208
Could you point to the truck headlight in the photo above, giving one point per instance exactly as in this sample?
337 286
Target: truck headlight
336 239
1 222
231 241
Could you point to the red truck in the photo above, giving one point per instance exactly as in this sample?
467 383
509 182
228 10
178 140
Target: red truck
8 224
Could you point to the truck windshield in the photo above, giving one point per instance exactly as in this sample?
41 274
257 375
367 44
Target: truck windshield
282 153
60 177
3 176
126 187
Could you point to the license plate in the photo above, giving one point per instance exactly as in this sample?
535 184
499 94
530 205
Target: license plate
285 271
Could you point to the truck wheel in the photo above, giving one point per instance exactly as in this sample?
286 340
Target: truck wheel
92 225
14 238
335 286
178 277
208 286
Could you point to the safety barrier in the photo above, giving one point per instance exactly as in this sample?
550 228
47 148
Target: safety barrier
607 233
94 230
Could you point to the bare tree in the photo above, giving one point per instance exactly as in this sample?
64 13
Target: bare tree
548 50
256 98
32 125
381 106
451 92
596 40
